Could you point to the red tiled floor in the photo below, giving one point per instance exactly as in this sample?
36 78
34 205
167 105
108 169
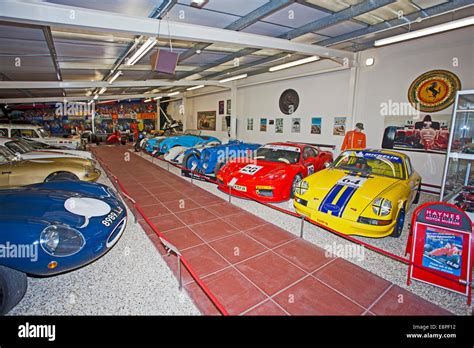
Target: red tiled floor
270 235
237 247
304 254
204 260
267 308
214 229
180 205
235 292
311 297
155 210
244 221
270 272
183 238
166 222
398 301
364 287
224 209
201 300
195 216
164 197
146 200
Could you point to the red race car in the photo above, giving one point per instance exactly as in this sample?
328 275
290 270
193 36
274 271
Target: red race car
274 172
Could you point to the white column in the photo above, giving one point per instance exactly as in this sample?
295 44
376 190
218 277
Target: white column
233 111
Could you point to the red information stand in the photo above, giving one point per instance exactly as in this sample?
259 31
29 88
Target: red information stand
440 245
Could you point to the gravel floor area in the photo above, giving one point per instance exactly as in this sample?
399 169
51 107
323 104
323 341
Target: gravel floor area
131 279
383 266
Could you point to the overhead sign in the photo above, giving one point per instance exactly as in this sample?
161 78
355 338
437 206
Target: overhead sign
440 246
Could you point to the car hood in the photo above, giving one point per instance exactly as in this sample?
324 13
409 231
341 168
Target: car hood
46 154
46 202
328 191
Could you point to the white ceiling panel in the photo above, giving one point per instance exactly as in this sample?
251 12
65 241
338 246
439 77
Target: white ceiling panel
340 28
141 8
268 29
192 15
295 15
239 8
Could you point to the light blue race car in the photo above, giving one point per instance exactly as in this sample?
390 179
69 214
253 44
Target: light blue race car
184 141
210 160
51 228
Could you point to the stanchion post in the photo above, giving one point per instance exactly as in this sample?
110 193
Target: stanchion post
302 226
230 193
179 273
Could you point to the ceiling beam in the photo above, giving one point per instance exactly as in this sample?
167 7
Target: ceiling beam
437 10
100 84
337 17
40 13
242 23
60 99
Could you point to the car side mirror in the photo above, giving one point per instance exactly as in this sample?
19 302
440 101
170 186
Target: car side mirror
327 164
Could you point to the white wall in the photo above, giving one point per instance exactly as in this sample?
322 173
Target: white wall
328 95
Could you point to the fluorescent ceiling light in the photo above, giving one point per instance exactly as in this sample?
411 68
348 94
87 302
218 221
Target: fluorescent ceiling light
89 93
96 96
369 61
147 100
172 94
295 63
194 87
117 74
102 90
148 45
427 31
90 101
233 78
157 98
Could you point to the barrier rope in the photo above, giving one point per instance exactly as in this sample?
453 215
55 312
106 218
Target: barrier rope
185 263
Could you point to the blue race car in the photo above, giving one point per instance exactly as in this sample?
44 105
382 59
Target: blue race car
210 160
54 227
185 141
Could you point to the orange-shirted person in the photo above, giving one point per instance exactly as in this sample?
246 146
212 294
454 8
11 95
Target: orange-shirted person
355 139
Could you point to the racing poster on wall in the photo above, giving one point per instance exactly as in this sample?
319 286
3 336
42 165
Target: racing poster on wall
316 125
206 120
296 125
278 125
339 126
250 124
424 133
263 125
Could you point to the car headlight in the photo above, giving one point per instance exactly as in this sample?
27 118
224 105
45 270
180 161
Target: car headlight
382 207
205 165
61 241
302 187
89 170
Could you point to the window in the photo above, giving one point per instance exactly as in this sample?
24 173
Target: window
5 155
309 152
26 133
409 167
3 132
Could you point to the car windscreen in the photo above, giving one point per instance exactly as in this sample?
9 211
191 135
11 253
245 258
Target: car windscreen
371 163
16 146
289 155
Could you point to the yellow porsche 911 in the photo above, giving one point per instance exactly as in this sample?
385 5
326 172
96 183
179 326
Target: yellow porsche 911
365 193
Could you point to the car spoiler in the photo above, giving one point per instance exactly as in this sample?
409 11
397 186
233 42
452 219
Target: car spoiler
333 147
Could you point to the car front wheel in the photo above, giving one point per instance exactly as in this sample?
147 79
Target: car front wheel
398 229
13 285
294 185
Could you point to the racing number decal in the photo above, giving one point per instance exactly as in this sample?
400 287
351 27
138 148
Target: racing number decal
250 169
114 214
352 181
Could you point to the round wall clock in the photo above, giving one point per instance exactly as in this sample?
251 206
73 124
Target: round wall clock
289 101
434 90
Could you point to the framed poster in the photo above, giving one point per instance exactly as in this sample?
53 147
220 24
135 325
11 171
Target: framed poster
316 125
279 125
229 106
296 125
407 133
250 124
221 107
224 125
206 120
339 127
263 125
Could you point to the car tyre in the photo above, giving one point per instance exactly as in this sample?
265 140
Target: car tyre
398 229
61 176
13 285
295 183
187 160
